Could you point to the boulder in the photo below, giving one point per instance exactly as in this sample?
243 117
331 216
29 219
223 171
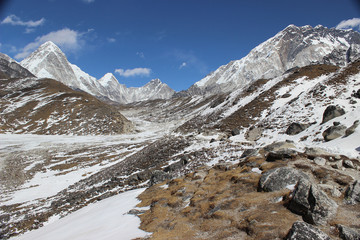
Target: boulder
295 128
249 152
305 231
275 146
254 134
314 152
332 112
347 233
334 132
352 194
284 154
351 129
280 178
159 176
356 94
312 203
348 164
235 132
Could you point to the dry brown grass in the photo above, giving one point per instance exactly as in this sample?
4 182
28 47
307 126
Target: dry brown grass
223 205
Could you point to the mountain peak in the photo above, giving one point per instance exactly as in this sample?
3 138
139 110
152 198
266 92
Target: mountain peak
49 46
155 81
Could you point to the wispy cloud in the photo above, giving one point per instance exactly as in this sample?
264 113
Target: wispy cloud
140 54
66 38
350 23
111 40
182 65
88 1
16 21
133 72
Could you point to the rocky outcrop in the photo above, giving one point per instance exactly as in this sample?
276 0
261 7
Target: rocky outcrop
305 231
254 133
332 112
280 178
334 132
312 203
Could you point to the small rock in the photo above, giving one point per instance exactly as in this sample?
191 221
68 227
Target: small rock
351 129
332 112
348 164
337 165
352 194
312 203
136 212
335 192
356 94
320 161
212 140
280 178
305 231
295 128
235 132
347 233
334 132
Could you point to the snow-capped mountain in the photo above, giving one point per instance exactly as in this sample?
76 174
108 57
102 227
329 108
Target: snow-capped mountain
155 89
48 61
292 47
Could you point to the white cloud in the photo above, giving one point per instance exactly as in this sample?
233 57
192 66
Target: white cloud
88 1
350 23
111 40
133 72
16 21
190 59
183 65
141 55
65 38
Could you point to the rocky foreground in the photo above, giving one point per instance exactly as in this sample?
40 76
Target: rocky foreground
274 193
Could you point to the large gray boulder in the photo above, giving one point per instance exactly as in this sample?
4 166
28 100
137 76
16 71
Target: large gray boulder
305 231
312 203
334 132
280 178
332 112
254 134
352 194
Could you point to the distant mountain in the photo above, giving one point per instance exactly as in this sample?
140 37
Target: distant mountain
48 61
117 92
292 47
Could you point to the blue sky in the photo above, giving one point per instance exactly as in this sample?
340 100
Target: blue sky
178 41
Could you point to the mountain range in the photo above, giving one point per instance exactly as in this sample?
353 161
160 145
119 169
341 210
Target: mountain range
48 61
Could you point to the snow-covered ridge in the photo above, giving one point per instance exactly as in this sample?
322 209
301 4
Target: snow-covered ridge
292 47
48 61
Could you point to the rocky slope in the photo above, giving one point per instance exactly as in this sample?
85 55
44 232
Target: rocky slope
46 106
9 68
292 47
48 61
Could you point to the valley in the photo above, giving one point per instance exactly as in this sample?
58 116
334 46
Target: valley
245 153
